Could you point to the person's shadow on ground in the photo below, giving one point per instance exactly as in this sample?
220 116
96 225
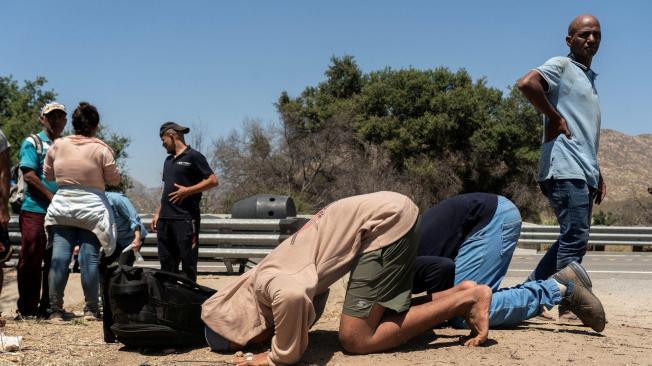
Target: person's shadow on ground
162 350
557 328
323 344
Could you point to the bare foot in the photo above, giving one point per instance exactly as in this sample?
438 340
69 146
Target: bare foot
248 359
547 315
569 318
478 317
462 286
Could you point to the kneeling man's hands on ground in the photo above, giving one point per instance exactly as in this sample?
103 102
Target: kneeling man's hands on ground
247 359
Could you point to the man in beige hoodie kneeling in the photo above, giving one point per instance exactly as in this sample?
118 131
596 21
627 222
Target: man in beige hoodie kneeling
373 237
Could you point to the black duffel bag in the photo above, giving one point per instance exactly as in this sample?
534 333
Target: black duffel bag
150 307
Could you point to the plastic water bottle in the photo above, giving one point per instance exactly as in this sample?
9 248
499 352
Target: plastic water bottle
10 343
139 257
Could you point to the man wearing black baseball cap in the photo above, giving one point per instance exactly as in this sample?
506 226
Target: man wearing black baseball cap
186 174
174 126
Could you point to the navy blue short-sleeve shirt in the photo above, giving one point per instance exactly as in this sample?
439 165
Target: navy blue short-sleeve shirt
446 225
186 169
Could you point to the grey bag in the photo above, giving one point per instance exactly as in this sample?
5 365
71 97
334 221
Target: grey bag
18 185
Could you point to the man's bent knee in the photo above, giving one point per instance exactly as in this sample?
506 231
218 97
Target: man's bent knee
356 334
352 343
467 284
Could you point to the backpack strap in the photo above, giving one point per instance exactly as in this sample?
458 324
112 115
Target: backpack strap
182 280
38 143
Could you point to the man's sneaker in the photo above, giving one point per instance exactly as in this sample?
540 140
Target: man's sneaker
56 317
92 316
579 299
573 272
20 317
587 306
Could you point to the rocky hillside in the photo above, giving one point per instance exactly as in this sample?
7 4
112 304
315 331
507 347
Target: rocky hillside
626 163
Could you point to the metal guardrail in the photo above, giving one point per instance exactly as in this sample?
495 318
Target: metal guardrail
236 241
533 235
232 241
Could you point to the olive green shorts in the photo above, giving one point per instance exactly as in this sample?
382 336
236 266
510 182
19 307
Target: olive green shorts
383 277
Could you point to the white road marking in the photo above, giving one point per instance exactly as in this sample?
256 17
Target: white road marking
615 272
524 255
613 255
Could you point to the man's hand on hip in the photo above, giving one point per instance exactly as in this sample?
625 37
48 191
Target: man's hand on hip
556 127
601 193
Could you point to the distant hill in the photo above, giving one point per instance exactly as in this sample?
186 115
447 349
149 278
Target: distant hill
626 163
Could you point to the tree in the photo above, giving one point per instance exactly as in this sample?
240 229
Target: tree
506 152
20 109
246 165
427 133
119 145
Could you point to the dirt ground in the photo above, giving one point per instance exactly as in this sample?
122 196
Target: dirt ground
627 339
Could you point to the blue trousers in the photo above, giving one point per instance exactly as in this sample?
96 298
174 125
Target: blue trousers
484 258
572 201
65 238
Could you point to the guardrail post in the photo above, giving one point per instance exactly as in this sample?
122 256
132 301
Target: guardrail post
229 265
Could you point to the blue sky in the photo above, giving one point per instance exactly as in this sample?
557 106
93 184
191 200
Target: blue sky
218 63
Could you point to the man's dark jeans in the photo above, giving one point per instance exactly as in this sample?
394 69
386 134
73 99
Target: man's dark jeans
572 200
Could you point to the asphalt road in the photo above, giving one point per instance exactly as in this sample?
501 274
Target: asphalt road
598 264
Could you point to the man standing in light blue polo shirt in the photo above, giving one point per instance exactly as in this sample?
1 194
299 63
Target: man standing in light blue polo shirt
31 276
563 89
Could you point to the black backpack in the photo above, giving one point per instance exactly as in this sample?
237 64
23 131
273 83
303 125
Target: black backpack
150 307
